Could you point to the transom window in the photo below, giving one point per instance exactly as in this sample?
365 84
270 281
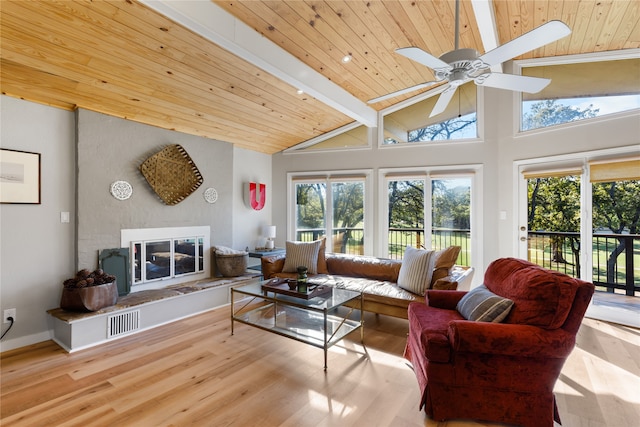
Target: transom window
412 124
580 91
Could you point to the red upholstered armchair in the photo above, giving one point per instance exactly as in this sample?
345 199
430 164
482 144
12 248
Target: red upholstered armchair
504 371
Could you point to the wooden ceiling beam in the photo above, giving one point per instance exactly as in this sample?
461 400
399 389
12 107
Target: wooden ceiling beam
220 27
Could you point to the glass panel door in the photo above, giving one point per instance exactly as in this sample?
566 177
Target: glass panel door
553 222
616 239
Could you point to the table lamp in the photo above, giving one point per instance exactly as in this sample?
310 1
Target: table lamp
269 231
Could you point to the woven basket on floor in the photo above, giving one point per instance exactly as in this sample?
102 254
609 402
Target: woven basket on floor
232 265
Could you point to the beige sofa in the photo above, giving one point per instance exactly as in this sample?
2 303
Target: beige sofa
377 278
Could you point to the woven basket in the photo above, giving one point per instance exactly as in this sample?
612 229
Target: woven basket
232 265
172 174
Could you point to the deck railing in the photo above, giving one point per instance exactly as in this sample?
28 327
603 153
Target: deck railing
351 240
441 238
616 258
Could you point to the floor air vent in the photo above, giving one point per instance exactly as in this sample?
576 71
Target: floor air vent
123 323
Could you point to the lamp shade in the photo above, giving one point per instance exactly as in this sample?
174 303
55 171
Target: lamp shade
269 231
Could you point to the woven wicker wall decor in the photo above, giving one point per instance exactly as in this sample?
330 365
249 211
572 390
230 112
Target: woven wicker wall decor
172 174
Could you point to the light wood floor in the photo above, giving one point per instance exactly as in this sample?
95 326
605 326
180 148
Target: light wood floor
193 372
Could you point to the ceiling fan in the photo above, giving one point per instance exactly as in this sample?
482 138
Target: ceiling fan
459 66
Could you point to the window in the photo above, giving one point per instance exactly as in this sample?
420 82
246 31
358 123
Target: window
405 214
351 136
339 214
412 124
580 91
451 215
448 201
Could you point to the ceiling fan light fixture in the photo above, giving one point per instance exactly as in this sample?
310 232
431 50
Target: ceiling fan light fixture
461 65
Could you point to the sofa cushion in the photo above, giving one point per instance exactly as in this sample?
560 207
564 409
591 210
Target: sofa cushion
540 297
416 270
378 291
445 260
364 266
302 253
482 305
322 257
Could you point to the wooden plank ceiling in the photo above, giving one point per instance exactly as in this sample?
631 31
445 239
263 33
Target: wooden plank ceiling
123 58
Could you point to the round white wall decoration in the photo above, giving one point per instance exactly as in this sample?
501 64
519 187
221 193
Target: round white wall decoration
121 190
210 195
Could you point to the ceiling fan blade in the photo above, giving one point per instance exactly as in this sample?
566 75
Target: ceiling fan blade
443 101
422 57
538 37
402 92
515 82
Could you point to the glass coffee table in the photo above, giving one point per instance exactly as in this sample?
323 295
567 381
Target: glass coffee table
320 321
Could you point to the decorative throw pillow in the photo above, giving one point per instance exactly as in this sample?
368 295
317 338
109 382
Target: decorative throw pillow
302 253
445 259
322 259
482 305
416 270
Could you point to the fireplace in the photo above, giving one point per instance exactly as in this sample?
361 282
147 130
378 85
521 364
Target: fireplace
161 257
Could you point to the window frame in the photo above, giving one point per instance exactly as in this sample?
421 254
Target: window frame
473 171
330 177
306 147
518 65
480 117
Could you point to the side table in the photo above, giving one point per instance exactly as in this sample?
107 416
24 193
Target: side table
259 253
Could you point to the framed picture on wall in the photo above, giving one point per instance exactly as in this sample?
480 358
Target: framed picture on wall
19 177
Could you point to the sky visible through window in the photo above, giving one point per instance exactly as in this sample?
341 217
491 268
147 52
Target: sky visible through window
605 104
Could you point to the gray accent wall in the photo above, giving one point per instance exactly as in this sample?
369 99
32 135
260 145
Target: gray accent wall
112 149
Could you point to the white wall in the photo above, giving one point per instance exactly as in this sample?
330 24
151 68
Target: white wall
36 250
250 166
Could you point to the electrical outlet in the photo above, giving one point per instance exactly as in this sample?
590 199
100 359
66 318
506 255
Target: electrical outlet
10 312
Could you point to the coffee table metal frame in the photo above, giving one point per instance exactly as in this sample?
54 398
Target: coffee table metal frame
321 321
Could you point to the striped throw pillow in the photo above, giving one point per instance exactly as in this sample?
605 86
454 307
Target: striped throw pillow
416 270
482 305
302 254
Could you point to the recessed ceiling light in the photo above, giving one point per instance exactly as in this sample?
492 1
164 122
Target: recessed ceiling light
300 91
346 58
